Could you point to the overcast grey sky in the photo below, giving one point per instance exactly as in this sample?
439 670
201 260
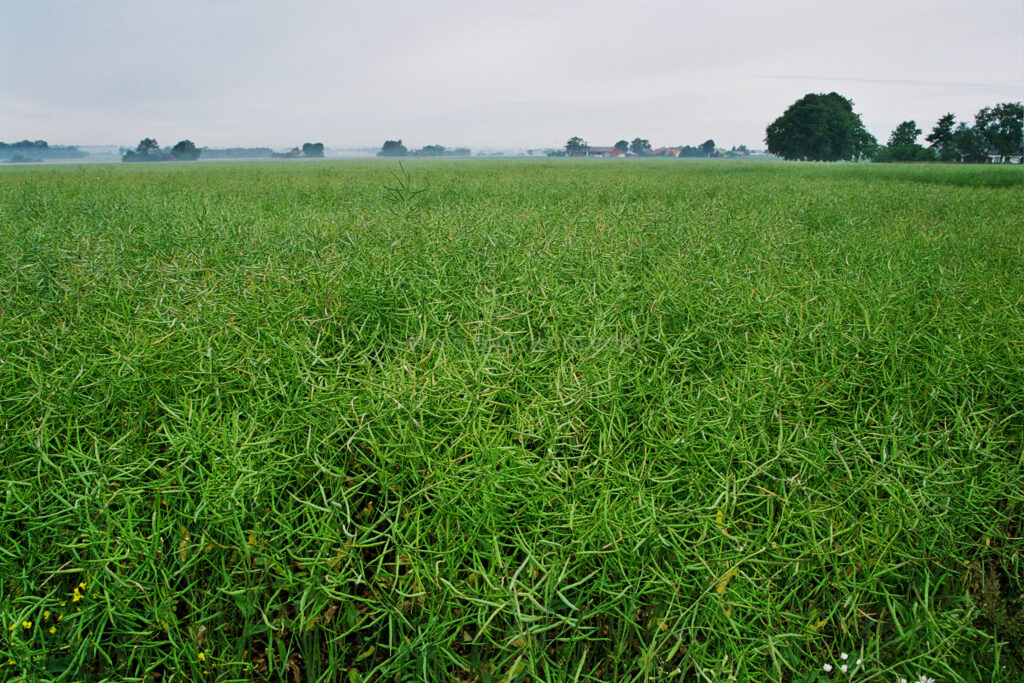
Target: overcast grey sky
481 73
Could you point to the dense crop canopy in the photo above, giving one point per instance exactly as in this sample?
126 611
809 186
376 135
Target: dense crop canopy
475 421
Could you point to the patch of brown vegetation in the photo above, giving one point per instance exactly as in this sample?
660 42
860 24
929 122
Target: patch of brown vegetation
999 596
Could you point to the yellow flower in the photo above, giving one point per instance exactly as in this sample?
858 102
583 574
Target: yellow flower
82 585
46 615
11 662
202 656
59 617
26 624
53 629
76 597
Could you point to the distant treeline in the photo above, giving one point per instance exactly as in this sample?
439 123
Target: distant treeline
149 149
395 148
28 150
996 136
824 127
237 153
310 150
641 147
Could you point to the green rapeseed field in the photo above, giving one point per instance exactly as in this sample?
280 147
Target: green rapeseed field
511 421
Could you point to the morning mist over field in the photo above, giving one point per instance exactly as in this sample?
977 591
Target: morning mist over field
525 74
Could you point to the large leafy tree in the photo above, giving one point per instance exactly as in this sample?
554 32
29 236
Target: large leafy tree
941 138
313 149
640 146
622 146
147 150
393 148
905 134
969 143
1002 126
708 147
146 146
186 151
819 127
576 145
903 145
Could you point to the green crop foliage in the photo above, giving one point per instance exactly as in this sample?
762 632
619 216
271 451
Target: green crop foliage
519 421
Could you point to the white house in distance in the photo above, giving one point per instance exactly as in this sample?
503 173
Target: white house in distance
994 157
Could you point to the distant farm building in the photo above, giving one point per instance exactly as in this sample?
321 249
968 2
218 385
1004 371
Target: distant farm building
994 157
599 152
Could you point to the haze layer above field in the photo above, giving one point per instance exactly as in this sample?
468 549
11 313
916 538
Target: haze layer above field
457 73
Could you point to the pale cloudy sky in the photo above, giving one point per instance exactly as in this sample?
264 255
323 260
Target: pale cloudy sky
526 73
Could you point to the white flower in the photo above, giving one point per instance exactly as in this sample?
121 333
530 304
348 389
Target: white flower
844 668
903 680
827 668
860 662
844 656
